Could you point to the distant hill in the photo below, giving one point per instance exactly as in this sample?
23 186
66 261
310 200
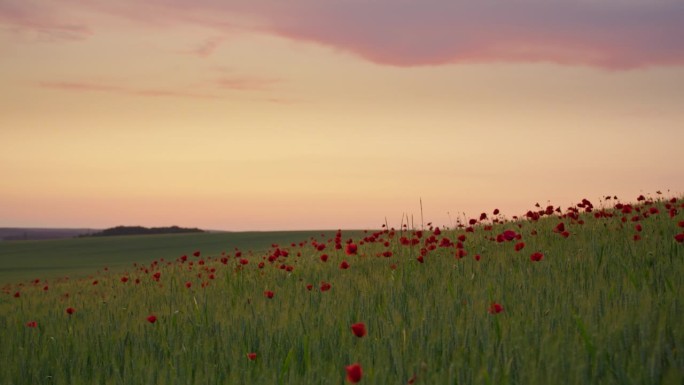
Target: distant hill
140 230
33 234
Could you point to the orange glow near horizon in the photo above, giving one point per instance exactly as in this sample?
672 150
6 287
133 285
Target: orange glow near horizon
260 130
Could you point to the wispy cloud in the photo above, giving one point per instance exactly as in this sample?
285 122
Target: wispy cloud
244 83
40 22
207 47
75 86
146 92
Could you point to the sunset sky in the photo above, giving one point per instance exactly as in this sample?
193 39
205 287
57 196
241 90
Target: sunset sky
312 114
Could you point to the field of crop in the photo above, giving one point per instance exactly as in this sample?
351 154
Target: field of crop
589 294
24 260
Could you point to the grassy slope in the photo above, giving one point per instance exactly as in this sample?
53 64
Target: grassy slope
23 260
600 308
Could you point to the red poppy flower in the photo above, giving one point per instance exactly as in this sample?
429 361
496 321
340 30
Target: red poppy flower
509 235
679 237
559 228
636 237
351 249
252 356
188 284
32 324
70 310
359 329
680 223
477 257
354 373
324 257
309 287
536 257
95 282
151 318
268 294
496 212
124 279
344 265
325 286
519 246
17 295
196 253
495 308
420 259
565 234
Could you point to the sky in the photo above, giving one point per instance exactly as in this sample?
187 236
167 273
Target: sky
310 114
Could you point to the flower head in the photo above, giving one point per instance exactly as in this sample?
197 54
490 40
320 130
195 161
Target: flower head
509 235
679 237
351 249
354 373
359 329
495 308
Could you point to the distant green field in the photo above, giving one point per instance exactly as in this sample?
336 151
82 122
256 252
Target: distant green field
23 260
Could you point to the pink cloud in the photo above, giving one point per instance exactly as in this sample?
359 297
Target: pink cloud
149 92
607 34
171 93
613 34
